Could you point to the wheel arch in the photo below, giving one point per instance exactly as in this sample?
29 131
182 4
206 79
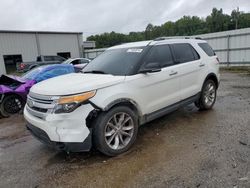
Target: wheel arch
118 102
212 76
9 94
125 102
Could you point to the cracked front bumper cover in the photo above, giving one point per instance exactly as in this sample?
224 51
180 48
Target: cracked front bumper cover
62 146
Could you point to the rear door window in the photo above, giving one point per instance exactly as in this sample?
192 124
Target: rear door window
207 49
184 52
160 54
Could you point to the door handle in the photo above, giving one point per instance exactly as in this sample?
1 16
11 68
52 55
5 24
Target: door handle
173 73
201 65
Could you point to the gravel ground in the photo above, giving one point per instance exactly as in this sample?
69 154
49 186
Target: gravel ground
186 148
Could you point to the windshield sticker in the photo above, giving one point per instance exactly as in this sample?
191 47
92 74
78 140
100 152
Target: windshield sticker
134 50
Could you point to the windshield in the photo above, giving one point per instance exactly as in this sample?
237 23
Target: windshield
31 75
116 61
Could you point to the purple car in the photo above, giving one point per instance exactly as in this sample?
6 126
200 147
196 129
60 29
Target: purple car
14 89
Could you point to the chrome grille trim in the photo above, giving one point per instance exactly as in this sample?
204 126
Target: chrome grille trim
40 105
40 101
36 113
41 97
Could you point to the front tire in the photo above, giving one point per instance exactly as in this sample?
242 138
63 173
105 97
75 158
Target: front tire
10 105
208 96
115 131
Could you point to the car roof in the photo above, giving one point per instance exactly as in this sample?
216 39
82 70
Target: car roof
131 45
165 40
52 66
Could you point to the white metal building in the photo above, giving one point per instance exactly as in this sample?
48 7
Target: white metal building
27 45
232 47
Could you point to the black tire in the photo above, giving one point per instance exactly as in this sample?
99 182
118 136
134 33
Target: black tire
101 125
203 103
10 105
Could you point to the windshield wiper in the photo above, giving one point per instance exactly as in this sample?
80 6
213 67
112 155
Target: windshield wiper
94 72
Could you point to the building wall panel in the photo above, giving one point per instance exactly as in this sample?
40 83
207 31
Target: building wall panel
27 45
239 45
54 43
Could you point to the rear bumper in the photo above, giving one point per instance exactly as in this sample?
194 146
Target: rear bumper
62 146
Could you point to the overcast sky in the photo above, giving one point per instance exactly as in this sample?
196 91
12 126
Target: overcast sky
98 16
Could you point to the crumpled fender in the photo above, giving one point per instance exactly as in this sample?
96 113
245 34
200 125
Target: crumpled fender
22 88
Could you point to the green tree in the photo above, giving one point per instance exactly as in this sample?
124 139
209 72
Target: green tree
244 20
149 31
218 21
187 25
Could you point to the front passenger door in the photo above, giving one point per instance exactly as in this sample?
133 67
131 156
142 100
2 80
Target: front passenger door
159 89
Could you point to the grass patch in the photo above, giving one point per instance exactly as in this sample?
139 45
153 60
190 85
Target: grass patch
236 69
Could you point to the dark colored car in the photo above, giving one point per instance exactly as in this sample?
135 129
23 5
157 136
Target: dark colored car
14 89
40 60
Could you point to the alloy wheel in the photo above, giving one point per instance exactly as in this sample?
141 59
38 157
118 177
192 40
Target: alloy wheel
119 131
209 94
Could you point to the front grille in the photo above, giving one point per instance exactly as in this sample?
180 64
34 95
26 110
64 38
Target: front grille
40 105
39 109
41 97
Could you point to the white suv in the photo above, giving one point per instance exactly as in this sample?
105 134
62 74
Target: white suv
126 86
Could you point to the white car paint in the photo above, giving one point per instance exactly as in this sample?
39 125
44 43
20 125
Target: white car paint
62 127
149 92
75 83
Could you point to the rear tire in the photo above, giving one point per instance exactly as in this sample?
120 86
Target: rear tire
10 105
208 96
115 131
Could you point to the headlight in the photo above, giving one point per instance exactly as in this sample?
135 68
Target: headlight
70 103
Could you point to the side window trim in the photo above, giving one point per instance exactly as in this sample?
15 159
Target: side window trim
194 51
205 50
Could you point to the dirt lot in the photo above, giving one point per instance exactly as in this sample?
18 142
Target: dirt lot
187 148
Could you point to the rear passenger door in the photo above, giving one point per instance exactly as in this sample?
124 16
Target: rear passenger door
189 68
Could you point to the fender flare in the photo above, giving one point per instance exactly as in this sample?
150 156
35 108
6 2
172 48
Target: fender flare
124 101
213 77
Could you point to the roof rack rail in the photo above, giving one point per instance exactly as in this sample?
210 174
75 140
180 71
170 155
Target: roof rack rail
177 37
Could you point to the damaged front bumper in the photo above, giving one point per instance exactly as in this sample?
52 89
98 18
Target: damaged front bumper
67 131
43 137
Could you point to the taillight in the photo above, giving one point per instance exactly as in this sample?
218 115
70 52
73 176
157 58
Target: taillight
21 65
218 61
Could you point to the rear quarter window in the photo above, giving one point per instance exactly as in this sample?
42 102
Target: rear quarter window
184 52
207 49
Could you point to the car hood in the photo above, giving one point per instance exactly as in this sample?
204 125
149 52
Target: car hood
75 83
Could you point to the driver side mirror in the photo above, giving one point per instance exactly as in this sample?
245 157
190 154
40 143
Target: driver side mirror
151 68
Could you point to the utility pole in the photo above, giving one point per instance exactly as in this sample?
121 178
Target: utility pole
236 18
